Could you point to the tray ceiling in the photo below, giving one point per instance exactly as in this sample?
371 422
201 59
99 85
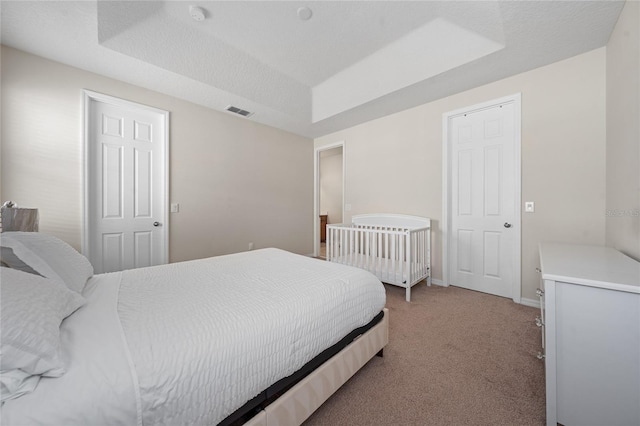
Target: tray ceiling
351 62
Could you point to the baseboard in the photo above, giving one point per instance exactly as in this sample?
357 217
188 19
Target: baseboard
438 282
534 303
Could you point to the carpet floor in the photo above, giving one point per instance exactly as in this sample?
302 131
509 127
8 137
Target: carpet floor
455 357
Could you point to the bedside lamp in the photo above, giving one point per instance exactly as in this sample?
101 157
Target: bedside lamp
18 219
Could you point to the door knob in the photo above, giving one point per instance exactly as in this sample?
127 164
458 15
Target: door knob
156 223
507 225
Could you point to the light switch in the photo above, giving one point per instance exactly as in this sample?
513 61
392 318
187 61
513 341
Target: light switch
175 207
529 206
347 207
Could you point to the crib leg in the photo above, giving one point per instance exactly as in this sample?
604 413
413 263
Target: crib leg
408 293
429 281
380 353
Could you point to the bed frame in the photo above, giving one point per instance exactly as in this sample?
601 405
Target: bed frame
295 405
396 248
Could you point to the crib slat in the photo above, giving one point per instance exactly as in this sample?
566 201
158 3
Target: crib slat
422 253
359 234
420 248
394 244
401 258
367 251
379 257
418 252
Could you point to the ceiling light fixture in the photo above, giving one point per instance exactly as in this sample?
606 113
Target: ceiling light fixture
197 13
305 13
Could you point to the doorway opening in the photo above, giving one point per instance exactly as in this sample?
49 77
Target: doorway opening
329 192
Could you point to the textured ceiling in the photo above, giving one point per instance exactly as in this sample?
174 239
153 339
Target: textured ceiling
351 62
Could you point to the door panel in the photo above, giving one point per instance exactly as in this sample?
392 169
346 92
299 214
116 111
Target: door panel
465 250
143 184
465 182
112 253
492 180
112 126
112 168
492 254
143 247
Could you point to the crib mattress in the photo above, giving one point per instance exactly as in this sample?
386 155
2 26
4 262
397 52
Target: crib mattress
387 271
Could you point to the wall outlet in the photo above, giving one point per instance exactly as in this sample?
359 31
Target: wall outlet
250 246
175 207
529 207
347 207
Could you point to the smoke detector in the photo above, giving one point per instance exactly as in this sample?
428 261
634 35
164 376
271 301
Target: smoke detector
304 13
197 13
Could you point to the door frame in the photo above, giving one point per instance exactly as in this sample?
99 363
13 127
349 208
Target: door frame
88 97
516 99
316 189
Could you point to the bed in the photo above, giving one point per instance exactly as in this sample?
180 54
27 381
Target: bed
261 337
396 248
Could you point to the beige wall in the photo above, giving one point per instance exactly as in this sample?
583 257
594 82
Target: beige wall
236 181
394 164
331 184
239 182
623 133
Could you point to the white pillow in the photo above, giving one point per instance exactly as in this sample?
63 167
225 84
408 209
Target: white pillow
50 257
33 308
15 383
9 259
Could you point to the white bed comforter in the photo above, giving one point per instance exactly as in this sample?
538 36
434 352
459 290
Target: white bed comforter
191 342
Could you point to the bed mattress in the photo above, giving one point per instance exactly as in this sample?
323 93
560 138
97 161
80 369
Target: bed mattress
191 342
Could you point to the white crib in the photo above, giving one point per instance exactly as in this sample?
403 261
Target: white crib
396 248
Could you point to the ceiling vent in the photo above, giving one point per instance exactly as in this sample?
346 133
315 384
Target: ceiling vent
239 111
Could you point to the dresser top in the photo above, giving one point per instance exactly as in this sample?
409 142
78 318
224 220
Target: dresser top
594 266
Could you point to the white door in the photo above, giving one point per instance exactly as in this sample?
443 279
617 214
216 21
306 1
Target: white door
125 184
484 199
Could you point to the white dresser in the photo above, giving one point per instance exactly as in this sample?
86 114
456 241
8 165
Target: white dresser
591 329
